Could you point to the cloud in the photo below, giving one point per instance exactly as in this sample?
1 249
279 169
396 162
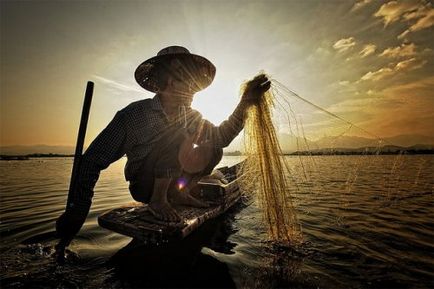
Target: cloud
410 64
344 44
405 65
419 11
393 10
425 19
360 4
377 75
350 105
368 50
116 85
400 51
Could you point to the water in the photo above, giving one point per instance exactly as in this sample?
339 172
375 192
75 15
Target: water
368 222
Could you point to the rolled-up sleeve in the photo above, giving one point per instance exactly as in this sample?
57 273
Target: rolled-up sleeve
109 146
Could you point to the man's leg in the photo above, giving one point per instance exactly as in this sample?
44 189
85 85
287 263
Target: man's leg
141 188
159 204
160 177
215 160
159 168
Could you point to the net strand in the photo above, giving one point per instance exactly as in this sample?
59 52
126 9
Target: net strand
266 165
283 87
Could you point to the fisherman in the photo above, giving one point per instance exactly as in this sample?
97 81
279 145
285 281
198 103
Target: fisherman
168 144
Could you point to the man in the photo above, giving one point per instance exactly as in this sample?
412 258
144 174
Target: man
168 144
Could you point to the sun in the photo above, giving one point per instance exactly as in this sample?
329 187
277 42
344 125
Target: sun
217 102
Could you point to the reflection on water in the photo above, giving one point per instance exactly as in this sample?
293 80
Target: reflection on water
179 264
367 223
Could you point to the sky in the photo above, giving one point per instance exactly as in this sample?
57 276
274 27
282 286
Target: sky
370 62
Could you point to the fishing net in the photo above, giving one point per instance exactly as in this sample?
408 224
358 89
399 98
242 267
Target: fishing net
300 155
266 164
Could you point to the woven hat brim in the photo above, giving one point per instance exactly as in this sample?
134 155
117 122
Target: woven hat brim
201 69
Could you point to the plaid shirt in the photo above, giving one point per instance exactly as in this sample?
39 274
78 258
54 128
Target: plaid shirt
134 131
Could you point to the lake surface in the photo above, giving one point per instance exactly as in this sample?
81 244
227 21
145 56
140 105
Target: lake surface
368 222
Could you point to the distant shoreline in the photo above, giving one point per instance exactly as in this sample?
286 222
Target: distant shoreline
339 153
32 156
322 152
387 150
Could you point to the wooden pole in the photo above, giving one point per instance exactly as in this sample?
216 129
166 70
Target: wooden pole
81 135
60 247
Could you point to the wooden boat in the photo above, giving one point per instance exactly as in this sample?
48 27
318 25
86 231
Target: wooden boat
136 221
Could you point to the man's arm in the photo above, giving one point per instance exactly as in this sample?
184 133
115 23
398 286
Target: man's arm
109 146
221 136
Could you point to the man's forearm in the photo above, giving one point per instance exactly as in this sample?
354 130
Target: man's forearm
80 200
223 134
78 204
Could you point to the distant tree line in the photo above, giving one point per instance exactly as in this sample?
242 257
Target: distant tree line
28 156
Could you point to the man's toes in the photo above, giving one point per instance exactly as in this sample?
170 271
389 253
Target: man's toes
161 216
175 217
168 217
154 213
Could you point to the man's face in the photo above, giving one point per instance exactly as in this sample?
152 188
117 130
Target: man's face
180 84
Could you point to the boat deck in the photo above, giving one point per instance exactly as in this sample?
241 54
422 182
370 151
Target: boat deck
135 220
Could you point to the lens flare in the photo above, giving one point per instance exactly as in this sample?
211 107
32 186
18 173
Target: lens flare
181 183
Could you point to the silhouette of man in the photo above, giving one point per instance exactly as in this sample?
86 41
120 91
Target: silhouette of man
168 144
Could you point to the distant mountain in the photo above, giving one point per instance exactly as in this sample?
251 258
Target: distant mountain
407 140
358 142
36 149
290 143
387 149
287 142
344 142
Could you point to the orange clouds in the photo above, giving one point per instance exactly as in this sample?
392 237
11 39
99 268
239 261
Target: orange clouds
410 64
419 15
367 50
400 51
344 44
377 75
393 11
424 20
360 4
405 65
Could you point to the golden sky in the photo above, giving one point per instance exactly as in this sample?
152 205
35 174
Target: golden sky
371 62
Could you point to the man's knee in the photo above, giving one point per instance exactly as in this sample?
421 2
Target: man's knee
141 192
215 160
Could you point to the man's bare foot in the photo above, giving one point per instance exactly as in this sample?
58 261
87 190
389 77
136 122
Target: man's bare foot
185 199
163 211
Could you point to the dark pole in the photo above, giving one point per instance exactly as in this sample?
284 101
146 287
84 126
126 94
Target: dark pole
81 136
60 247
